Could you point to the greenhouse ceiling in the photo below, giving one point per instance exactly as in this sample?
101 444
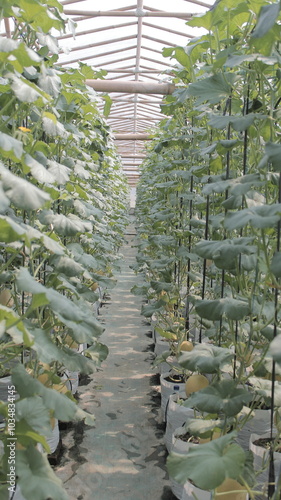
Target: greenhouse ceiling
127 42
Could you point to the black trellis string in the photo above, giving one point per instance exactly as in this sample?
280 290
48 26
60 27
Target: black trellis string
205 261
245 159
271 472
187 322
227 172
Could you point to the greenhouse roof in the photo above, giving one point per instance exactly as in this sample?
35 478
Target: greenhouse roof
126 40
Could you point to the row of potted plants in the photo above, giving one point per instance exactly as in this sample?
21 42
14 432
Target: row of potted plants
208 208
62 217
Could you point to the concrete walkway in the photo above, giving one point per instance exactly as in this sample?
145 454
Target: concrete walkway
123 456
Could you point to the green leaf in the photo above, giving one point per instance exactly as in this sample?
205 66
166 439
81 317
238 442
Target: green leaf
107 105
213 88
49 242
218 459
10 147
21 192
149 309
4 201
10 230
60 172
223 396
97 353
275 265
202 426
67 266
159 286
238 123
48 351
65 309
27 91
36 477
269 332
214 309
267 17
272 155
64 409
238 59
275 349
38 171
225 252
66 225
205 358
36 415
263 387
51 44
261 217
14 326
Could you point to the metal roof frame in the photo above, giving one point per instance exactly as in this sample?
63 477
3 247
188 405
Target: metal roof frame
108 45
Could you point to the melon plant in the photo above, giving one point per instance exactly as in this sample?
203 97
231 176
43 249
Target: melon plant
63 211
209 211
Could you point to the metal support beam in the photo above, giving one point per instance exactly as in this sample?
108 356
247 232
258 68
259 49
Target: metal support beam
97 30
7 27
128 13
132 137
132 87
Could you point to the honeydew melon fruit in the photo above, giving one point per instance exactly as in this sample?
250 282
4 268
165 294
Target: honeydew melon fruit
195 383
186 345
230 489
68 340
6 298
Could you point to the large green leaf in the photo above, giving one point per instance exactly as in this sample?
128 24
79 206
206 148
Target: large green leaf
237 186
66 310
49 80
53 127
267 17
263 387
238 59
27 91
10 230
14 326
36 477
272 155
67 266
213 310
64 409
223 396
53 246
205 358
275 265
36 415
60 172
219 459
98 352
21 192
4 201
159 286
202 426
238 123
213 88
261 217
149 309
10 147
49 351
225 252
38 171
66 225
275 349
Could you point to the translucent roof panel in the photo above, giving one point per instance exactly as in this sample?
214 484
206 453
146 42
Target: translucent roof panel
126 38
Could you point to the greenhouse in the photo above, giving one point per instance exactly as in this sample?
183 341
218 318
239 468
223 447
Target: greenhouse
140 250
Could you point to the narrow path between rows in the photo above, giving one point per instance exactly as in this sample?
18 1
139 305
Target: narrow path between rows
123 457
